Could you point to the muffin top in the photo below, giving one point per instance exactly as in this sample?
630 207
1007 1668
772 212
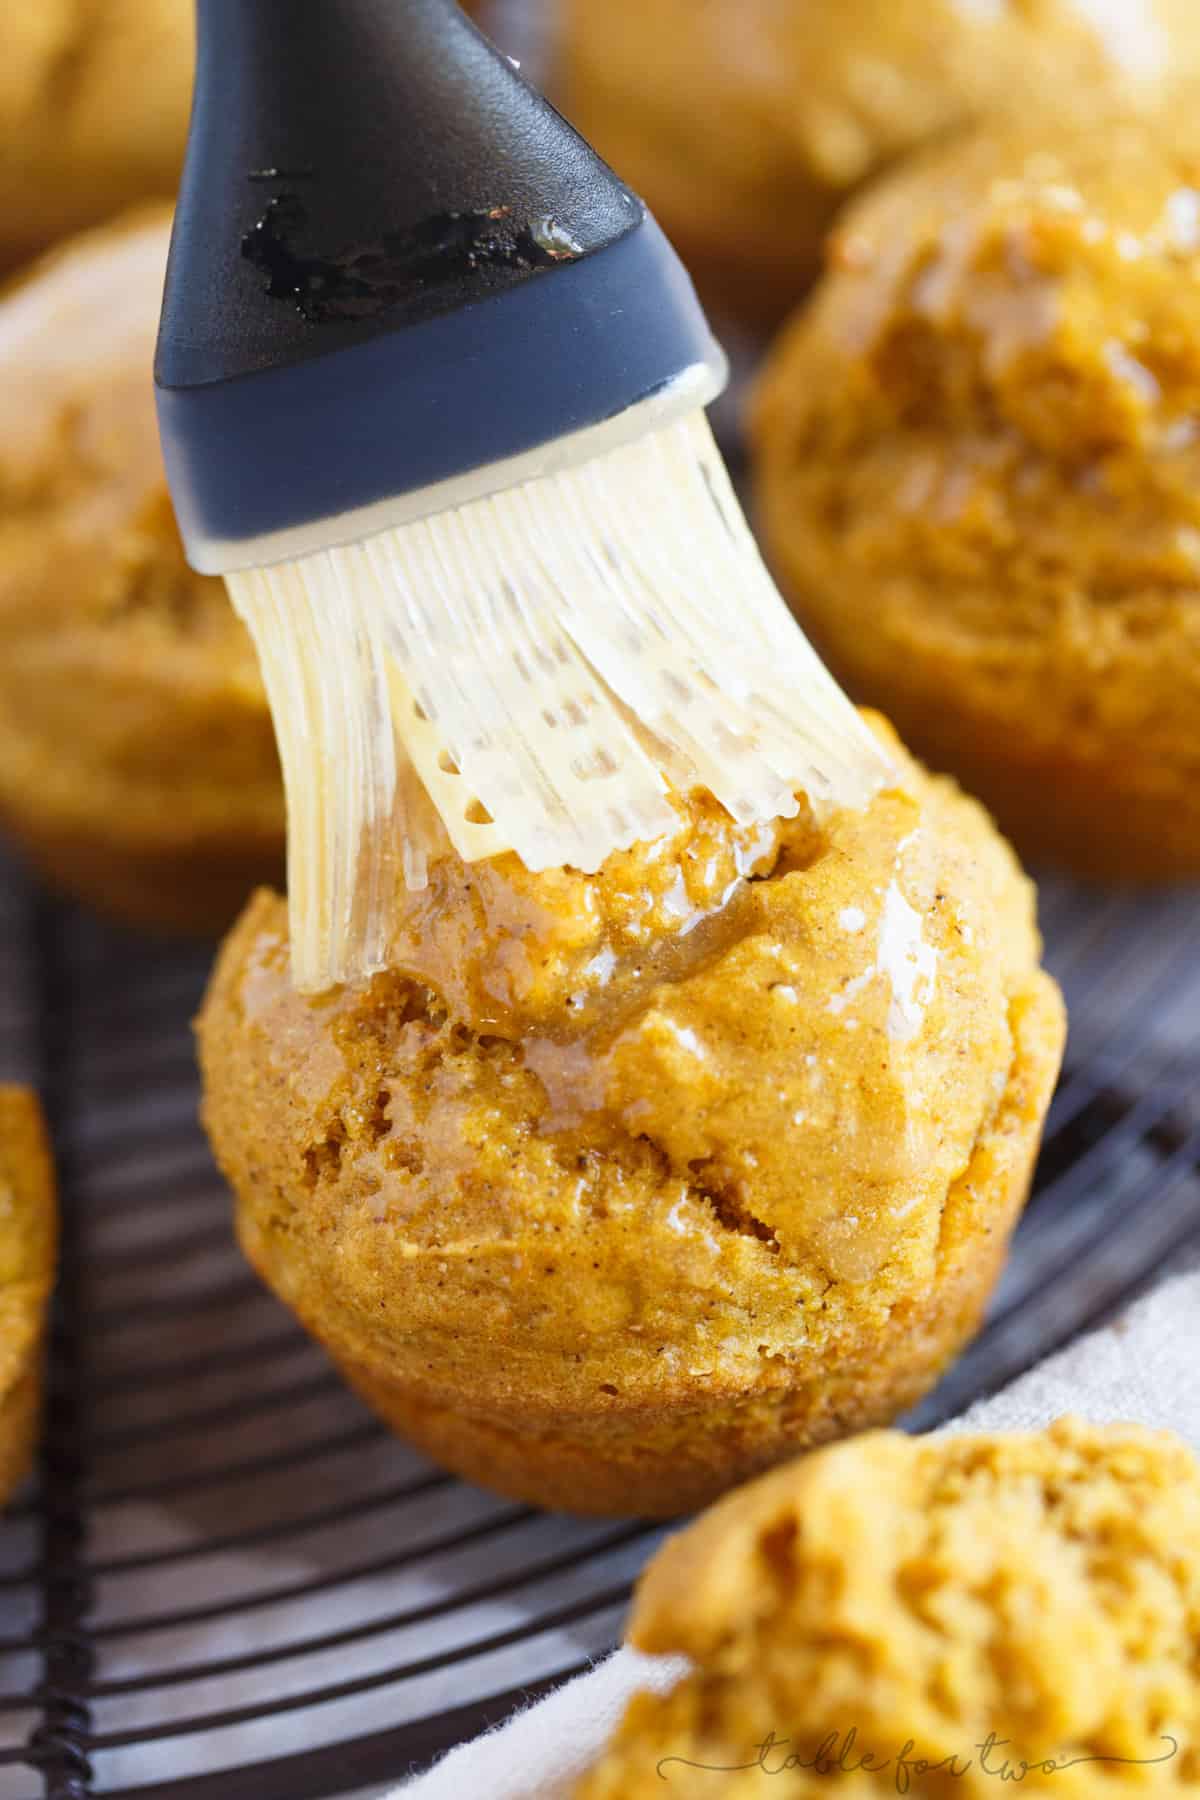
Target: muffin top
127 680
28 1230
639 1116
990 1599
814 96
982 434
81 474
94 98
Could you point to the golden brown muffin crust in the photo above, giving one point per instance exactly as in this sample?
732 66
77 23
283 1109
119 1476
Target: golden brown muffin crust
1041 1590
746 123
94 98
978 475
137 759
635 1172
28 1241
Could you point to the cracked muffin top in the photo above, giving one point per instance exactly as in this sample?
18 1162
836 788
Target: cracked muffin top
895 1606
639 1116
978 475
989 410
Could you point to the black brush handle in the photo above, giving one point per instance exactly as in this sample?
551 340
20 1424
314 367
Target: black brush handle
338 134
373 178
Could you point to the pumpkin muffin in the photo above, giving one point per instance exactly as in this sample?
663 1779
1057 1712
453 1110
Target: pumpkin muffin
930 1616
28 1236
94 101
618 1188
978 476
747 123
137 759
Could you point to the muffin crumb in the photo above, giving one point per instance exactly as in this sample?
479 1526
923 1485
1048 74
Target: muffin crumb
966 1604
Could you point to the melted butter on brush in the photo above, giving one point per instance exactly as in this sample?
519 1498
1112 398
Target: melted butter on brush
537 671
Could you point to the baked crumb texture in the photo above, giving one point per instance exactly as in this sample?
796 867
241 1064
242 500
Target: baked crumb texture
747 123
137 759
621 1187
28 1243
978 477
1040 1590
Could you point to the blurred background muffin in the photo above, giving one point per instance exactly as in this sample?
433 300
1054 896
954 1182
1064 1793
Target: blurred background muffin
137 758
618 1188
939 1617
746 123
977 463
94 102
28 1256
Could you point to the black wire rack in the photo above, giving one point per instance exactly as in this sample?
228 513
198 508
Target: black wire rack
226 1579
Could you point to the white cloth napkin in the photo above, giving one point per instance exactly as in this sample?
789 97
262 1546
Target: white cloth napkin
1145 1367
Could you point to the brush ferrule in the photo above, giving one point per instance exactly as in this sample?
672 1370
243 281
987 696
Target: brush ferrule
268 467
397 278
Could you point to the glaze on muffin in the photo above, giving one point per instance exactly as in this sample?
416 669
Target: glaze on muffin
618 1188
978 473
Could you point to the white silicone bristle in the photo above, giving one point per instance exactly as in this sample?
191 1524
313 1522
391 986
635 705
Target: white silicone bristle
543 665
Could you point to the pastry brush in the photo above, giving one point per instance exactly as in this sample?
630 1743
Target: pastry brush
431 386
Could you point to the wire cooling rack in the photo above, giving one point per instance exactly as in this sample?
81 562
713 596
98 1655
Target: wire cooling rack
226 1579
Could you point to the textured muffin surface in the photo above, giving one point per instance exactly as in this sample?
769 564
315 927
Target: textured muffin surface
979 478
94 98
920 1615
137 759
747 122
619 1185
28 1239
